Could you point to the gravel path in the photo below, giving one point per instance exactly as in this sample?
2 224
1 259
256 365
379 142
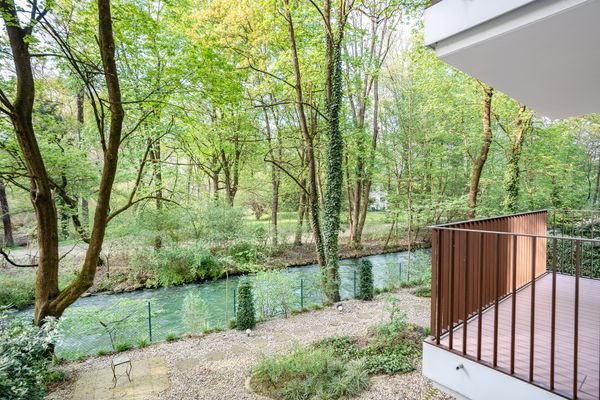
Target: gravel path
216 366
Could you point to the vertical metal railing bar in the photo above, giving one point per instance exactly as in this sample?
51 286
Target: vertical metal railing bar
576 319
438 309
451 292
513 324
553 316
592 247
467 292
496 295
562 251
532 317
480 300
571 241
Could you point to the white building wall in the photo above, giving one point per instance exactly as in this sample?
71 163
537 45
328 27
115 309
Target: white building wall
473 381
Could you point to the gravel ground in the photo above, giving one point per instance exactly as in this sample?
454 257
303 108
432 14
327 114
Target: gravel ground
216 366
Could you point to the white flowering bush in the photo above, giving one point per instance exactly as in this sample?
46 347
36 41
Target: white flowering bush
24 356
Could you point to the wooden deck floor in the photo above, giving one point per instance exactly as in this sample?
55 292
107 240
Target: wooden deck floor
588 375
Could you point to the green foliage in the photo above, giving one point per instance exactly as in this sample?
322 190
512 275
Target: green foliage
120 347
245 318
179 265
309 373
423 291
17 290
365 282
24 357
54 375
274 293
194 313
170 337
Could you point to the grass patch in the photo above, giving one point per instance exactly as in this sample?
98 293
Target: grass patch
339 366
309 373
17 290
423 291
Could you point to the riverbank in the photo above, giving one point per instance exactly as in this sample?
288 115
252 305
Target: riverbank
122 272
216 366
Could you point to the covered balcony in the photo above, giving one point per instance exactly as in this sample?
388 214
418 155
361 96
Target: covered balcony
544 53
516 305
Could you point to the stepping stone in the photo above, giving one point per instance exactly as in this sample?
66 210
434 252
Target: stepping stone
282 337
187 364
148 379
365 316
301 332
260 343
215 356
238 349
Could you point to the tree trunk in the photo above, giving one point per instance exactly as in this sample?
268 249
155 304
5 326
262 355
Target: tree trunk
313 196
157 172
46 288
274 184
6 222
55 303
335 147
513 171
300 220
85 208
479 162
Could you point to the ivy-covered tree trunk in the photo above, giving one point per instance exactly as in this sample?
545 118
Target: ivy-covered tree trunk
479 162
513 170
335 148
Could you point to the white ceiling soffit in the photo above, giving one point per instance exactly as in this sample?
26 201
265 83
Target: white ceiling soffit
545 54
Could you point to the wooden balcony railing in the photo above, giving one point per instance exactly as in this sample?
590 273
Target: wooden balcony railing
478 266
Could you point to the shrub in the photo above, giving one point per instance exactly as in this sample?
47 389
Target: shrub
275 293
245 318
17 290
170 337
180 265
309 373
194 313
423 291
365 286
24 360
122 347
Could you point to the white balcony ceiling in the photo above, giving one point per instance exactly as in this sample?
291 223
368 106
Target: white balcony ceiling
544 53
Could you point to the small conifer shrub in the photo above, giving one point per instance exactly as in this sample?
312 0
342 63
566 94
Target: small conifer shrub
245 318
365 285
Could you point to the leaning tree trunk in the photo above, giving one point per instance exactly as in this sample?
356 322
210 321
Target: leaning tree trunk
6 221
479 162
46 288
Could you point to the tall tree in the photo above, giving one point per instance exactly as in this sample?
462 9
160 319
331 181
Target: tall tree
479 161
334 35
516 136
49 299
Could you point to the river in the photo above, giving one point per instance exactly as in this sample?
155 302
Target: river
132 318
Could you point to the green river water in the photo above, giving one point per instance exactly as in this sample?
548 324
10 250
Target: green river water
131 317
